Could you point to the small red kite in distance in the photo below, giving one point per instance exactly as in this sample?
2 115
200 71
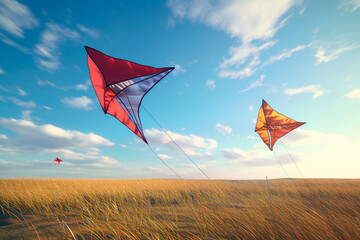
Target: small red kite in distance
272 125
58 160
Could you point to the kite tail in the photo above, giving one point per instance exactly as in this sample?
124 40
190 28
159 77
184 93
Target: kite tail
163 162
292 159
281 165
176 144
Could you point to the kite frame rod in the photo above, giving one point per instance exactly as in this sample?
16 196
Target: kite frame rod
176 143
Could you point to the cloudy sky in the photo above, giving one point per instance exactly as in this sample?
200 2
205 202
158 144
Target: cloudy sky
301 56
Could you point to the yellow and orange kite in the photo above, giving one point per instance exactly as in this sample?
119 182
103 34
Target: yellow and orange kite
272 125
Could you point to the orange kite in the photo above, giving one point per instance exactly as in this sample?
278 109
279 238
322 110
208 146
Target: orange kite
272 125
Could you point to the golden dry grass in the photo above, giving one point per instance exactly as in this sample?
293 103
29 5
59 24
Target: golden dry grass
179 209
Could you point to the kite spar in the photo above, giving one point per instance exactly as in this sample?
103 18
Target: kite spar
272 125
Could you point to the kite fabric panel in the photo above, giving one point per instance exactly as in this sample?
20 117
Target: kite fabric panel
120 86
272 125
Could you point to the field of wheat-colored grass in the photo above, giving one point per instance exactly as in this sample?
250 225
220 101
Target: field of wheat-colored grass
179 209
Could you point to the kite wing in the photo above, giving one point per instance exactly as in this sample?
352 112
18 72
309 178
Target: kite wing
121 85
272 125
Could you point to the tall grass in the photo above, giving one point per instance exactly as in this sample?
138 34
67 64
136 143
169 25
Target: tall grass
182 209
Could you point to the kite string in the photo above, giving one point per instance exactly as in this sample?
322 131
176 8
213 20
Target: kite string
176 143
281 165
164 162
292 159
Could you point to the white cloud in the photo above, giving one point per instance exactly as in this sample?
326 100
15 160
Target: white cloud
47 50
246 20
350 5
5 165
178 69
10 42
239 55
20 103
82 102
194 146
16 17
26 115
254 157
21 92
3 137
223 129
2 71
32 137
164 156
286 54
4 88
257 83
44 83
314 89
302 11
250 53
210 84
333 54
91 32
84 87
47 107
251 108
353 94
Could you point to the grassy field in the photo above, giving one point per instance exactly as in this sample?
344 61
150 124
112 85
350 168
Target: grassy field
179 209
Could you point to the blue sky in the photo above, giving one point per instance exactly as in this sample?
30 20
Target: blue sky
302 57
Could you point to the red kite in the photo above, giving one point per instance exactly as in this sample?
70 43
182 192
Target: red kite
120 86
272 125
58 160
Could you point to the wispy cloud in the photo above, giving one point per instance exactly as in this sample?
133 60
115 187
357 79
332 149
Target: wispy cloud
16 17
210 84
10 42
20 103
47 50
314 89
2 71
322 56
26 115
81 87
21 92
286 54
178 69
83 103
4 88
164 156
91 32
223 129
258 157
251 108
84 86
246 20
193 145
44 83
249 55
257 83
353 94
350 5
